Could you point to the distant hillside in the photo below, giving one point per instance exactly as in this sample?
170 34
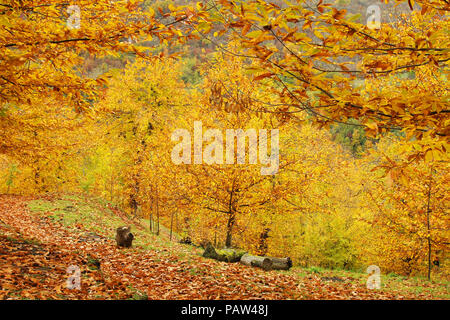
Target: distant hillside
389 12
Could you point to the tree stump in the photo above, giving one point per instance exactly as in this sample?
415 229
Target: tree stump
124 237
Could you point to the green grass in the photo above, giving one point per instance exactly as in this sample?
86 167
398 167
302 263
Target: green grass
71 212
438 288
137 295
94 216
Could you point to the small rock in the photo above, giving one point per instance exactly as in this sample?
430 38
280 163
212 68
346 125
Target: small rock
336 279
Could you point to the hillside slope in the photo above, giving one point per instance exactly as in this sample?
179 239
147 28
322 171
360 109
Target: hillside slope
41 238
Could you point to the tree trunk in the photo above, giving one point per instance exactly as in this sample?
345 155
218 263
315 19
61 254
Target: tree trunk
111 187
150 218
262 247
230 224
171 226
231 218
429 225
124 237
215 236
157 209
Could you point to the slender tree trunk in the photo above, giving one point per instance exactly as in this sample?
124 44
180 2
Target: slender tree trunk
171 225
150 218
151 221
157 209
231 218
428 224
215 236
230 224
111 190
112 176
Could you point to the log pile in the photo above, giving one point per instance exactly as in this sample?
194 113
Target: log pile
236 255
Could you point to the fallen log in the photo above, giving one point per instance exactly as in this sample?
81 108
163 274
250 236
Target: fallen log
267 263
281 263
256 261
231 255
225 255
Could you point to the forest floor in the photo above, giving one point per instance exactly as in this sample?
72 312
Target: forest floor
41 237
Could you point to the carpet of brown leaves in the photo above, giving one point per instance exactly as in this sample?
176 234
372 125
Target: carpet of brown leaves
36 251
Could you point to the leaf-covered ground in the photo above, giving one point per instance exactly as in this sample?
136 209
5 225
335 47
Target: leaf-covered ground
41 238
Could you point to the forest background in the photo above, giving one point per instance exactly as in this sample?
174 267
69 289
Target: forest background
362 114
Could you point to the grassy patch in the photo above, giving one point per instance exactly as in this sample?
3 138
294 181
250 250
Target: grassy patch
72 211
390 282
93 215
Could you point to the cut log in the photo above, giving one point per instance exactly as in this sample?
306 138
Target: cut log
230 255
256 261
281 263
267 263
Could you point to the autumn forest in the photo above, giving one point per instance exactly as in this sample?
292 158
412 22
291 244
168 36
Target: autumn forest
224 149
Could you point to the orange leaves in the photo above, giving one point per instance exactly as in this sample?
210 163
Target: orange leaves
409 202
48 54
307 24
333 37
263 76
36 270
378 65
338 14
245 29
158 273
304 65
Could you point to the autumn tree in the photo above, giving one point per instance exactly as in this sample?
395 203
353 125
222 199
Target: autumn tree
219 190
233 204
316 56
133 109
408 201
44 142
